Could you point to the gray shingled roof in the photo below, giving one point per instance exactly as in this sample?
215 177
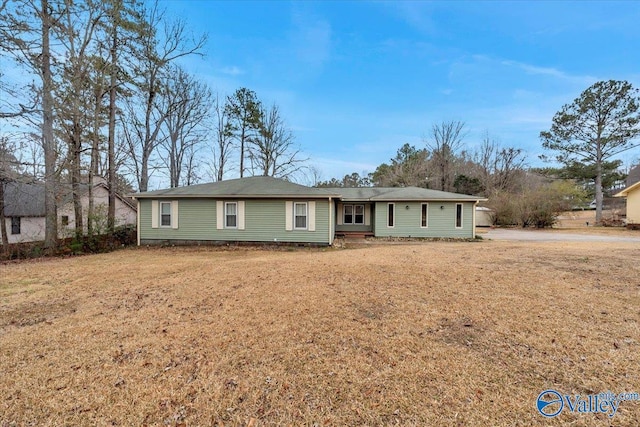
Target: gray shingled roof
27 199
634 176
268 187
250 187
382 194
21 199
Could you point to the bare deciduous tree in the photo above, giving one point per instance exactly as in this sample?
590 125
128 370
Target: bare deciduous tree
188 103
272 150
76 31
157 52
445 142
501 168
222 148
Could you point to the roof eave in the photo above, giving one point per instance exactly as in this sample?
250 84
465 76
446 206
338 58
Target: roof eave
626 191
234 196
404 199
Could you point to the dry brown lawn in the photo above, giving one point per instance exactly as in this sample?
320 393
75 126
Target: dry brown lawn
440 333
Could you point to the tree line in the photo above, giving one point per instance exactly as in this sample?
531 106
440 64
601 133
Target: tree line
585 137
97 89
100 91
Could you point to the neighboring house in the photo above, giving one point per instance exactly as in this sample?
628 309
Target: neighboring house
633 176
484 216
264 209
632 193
25 213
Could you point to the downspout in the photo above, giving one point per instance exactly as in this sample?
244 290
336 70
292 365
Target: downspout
330 224
473 225
138 221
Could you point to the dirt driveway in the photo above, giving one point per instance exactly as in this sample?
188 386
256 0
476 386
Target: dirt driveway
553 236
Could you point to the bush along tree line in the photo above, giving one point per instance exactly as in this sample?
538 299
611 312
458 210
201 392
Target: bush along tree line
104 94
584 138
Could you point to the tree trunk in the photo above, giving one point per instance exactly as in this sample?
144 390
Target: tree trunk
111 149
90 207
144 176
147 143
242 136
599 196
95 160
3 222
76 177
48 143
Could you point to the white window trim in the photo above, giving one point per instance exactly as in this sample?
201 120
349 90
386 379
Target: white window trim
427 222
160 215
394 215
306 215
353 214
455 217
344 214
225 215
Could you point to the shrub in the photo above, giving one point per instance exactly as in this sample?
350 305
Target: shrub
535 207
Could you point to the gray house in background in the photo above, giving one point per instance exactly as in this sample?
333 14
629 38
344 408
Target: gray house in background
25 213
265 209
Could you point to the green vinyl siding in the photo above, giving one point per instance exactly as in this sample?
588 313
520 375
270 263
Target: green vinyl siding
264 222
441 222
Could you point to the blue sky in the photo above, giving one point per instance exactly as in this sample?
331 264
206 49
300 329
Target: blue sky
356 80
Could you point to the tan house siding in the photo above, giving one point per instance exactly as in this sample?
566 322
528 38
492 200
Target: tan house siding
633 206
632 194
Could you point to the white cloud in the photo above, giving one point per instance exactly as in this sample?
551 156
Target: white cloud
549 71
232 70
415 13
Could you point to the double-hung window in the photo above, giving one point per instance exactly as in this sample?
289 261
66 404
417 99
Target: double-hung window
353 214
348 214
165 214
300 216
231 215
359 214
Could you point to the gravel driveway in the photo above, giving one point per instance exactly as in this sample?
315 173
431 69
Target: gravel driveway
551 236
